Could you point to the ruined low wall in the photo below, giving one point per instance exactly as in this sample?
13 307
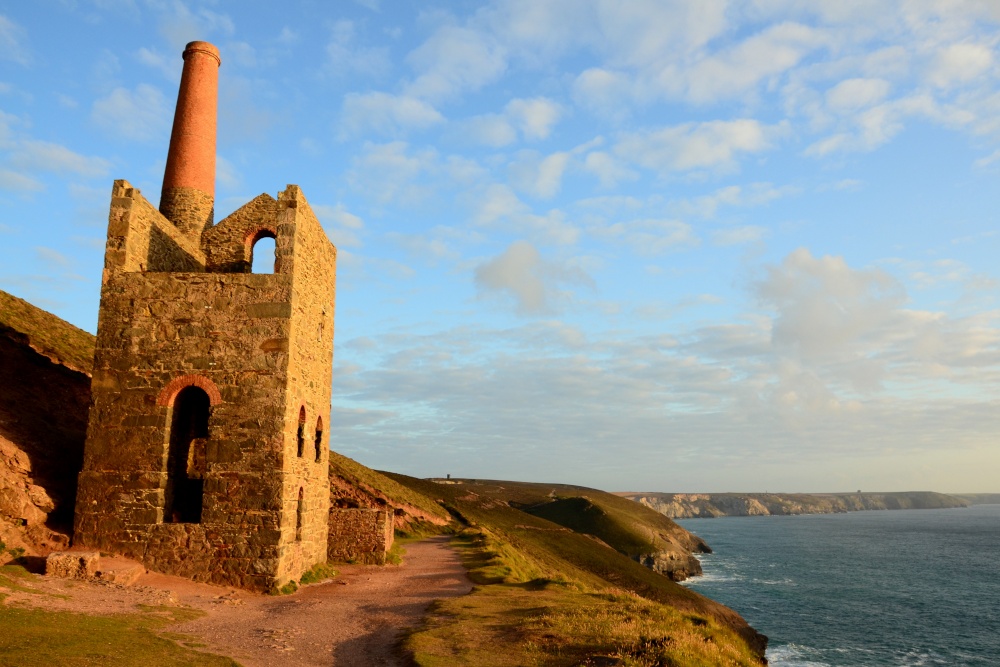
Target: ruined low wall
363 535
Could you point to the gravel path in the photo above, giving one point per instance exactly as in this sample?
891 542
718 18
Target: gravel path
353 620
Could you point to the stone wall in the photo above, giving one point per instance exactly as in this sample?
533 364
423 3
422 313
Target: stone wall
304 252
229 245
141 239
260 346
361 535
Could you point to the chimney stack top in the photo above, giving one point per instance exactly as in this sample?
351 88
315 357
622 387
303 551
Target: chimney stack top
203 47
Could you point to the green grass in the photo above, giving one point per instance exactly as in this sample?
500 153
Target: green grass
523 614
547 595
47 333
379 485
36 638
11 575
583 516
318 573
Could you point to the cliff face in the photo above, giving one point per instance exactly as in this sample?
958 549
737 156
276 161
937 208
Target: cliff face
709 505
44 398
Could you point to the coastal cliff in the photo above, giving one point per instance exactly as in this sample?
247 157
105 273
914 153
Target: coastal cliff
44 398
710 505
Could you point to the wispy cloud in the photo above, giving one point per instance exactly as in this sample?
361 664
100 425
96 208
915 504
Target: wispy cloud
536 285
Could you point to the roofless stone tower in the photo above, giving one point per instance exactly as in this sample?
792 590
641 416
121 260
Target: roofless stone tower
206 453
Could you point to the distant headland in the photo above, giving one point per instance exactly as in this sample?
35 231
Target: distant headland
710 505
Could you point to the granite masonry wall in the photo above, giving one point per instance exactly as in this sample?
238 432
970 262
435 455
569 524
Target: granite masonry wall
360 535
257 349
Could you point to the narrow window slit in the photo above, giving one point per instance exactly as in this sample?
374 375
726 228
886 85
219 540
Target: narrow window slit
319 439
300 434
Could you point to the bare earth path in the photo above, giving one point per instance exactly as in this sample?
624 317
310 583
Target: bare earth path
353 620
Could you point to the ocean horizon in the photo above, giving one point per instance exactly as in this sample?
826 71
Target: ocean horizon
900 588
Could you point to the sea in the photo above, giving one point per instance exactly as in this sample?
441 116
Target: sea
899 588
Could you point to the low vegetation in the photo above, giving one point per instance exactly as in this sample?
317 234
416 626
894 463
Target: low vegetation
40 638
377 489
547 595
47 333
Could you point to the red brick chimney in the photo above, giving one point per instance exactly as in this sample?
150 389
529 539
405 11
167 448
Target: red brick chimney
188 195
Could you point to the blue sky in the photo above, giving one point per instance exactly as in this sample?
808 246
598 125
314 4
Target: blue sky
654 245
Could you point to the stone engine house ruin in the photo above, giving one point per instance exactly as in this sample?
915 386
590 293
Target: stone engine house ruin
207 452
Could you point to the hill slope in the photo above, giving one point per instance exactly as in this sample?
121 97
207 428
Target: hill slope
560 578
642 534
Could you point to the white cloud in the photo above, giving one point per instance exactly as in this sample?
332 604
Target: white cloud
824 306
745 196
609 170
739 235
989 159
539 176
650 236
853 94
875 126
12 42
708 145
142 114
534 117
533 282
180 25
346 56
55 260
385 113
959 64
343 227
18 182
499 207
492 130
498 202
169 67
394 172
454 59
46 156
734 72
604 91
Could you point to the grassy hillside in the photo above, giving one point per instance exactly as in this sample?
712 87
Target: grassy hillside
46 333
630 528
550 596
354 485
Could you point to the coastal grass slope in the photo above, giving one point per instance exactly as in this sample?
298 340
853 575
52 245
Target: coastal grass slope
354 484
547 595
47 334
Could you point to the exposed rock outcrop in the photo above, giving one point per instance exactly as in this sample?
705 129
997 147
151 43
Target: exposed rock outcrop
44 398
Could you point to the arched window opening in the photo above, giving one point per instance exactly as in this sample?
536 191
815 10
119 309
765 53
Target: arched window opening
186 463
299 511
262 254
300 434
319 439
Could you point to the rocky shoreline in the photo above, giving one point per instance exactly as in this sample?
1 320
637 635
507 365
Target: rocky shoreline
711 505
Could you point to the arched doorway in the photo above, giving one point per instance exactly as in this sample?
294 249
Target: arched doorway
186 463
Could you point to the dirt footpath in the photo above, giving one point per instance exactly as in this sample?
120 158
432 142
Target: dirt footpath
355 619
